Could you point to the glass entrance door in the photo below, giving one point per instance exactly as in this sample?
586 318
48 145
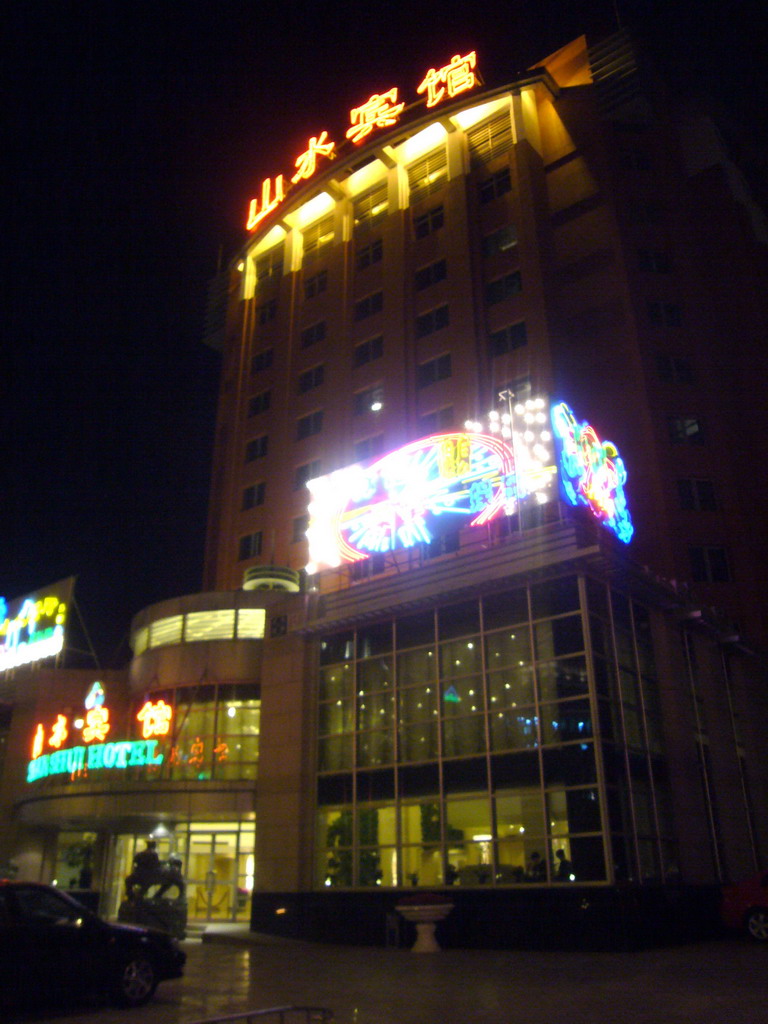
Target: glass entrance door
212 875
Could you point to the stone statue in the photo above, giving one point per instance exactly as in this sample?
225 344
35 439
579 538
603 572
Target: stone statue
144 906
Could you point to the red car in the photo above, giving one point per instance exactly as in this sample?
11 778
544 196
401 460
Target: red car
745 906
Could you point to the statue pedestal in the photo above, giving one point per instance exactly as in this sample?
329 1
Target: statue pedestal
425 916
165 915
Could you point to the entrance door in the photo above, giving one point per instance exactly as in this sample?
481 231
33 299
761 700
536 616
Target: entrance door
212 876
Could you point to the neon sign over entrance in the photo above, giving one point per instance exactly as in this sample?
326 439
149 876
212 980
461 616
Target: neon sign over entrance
380 111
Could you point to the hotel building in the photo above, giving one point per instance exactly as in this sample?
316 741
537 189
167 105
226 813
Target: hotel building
418 662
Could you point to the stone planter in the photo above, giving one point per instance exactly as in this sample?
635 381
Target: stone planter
425 916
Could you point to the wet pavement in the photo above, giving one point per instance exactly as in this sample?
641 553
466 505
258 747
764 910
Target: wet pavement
721 982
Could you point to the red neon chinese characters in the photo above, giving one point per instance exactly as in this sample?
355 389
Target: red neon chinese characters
454 78
155 719
306 164
268 203
37 742
381 111
97 725
59 732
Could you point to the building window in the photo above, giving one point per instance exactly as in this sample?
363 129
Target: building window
370 400
436 422
697 495
686 430
257 448
429 275
249 546
433 371
371 206
367 567
497 185
490 139
259 403
709 565
270 264
508 339
309 425
442 545
519 389
655 261
674 369
316 284
428 174
305 473
502 240
312 334
434 320
254 495
311 378
368 306
262 360
299 529
369 447
429 222
267 312
369 254
664 314
369 350
318 238
503 288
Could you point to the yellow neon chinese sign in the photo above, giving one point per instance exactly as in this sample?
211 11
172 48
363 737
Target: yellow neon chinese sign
380 111
155 719
306 164
454 78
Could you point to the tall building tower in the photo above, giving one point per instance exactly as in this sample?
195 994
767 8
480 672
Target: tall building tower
465 673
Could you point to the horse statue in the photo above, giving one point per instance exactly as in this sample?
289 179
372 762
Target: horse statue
148 871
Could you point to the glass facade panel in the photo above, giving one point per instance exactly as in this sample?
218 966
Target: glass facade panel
375 674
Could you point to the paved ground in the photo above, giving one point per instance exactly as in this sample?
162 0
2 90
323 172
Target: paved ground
722 982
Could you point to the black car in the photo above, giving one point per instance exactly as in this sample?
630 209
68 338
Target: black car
51 947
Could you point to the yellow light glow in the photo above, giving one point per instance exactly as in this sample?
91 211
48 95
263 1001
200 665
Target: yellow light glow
421 143
464 119
310 211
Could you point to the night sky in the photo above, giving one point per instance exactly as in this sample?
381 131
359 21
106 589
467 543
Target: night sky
138 134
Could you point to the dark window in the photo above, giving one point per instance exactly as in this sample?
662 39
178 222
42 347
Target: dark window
436 422
316 284
312 378
428 174
259 403
709 565
249 546
254 495
309 425
426 223
369 447
369 254
686 430
270 264
432 321
371 206
257 448
664 314
368 567
267 312
433 371
490 139
369 350
369 305
697 495
262 360
299 532
503 288
674 369
317 238
502 240
520 388
655 261
304 473
312 334
509 338
429 275
369 400
442 545
495 186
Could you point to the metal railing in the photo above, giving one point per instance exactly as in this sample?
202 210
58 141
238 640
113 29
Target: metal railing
276 1015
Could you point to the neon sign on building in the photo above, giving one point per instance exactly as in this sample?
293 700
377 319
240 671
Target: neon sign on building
592 472
50 756
380 111
32 627
432 486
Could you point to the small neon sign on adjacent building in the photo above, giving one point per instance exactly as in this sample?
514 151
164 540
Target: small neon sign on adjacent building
32 627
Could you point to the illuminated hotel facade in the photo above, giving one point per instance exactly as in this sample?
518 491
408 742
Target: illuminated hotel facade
487 658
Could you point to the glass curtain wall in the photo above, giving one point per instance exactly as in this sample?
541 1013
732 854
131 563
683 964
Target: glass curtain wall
512 739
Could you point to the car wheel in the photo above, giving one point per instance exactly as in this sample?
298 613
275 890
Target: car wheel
135 981
757 924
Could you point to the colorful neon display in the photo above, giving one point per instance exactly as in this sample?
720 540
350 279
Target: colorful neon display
410 496
73 760
32 627
592 473
454 78
381 110
155 718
